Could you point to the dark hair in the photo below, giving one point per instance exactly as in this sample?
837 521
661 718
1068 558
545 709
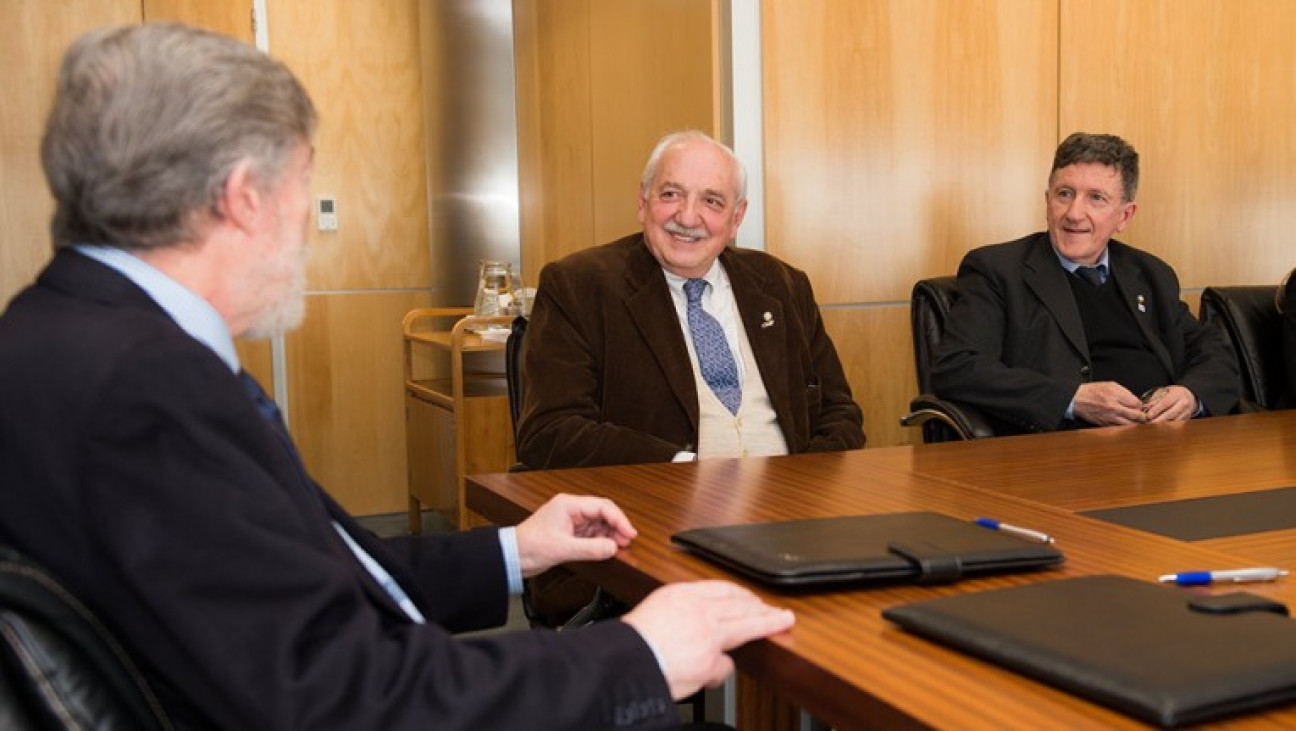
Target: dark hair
1109 150
147 123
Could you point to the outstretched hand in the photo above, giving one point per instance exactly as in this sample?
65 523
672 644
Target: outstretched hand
571 528
693 625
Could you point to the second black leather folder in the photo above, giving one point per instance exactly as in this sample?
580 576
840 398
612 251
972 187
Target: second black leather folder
1164 655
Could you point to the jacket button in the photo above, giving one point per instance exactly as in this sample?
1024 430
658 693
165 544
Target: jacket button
1085 371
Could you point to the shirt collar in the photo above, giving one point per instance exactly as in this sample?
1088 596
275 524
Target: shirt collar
1071 266
715 276
192 313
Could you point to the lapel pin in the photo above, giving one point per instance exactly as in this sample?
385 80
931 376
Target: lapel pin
1142 306
769 320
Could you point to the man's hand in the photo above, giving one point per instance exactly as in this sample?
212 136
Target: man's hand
571 528
1107 403
693 625
1170 403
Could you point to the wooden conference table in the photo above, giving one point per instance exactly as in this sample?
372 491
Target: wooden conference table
852 669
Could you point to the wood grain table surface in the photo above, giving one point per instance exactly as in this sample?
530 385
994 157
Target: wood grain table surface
852 669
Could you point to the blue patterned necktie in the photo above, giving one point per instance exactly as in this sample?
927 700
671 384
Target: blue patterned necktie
1093 275
270 412
719 369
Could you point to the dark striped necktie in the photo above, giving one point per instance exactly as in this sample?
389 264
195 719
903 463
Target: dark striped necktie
269 411
1093 275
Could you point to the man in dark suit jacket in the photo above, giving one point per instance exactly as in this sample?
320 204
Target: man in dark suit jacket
148 472
1037 346
611 371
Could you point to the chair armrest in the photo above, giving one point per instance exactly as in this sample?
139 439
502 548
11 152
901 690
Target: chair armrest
964 421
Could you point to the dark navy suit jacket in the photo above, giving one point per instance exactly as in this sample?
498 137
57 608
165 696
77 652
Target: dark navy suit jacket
136 468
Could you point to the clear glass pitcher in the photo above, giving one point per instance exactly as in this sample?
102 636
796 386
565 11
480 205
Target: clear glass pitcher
494 288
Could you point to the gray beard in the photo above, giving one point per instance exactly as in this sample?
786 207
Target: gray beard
284 314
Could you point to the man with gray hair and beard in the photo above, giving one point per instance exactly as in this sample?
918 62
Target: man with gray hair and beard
144 468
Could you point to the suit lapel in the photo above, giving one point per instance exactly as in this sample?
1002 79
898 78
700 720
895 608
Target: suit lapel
1136 293
649 306
765 322
1045 277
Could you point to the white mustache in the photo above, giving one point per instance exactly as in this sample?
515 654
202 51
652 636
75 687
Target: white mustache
677 230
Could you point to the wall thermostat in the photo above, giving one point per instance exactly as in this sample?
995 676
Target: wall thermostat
326 209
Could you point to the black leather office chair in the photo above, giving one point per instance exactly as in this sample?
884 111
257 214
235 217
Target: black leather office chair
558 583
60 668
513 369
941 420
1249 318
549 599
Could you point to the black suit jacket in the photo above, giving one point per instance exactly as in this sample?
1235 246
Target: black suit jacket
608 376
1014 345
134 465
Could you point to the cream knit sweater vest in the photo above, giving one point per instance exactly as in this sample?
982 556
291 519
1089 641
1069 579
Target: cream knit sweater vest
754 431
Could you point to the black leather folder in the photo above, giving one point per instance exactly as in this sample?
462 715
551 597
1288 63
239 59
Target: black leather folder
1164 655
892 547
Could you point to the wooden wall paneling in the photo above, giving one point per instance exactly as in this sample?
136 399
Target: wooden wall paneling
231 17
345 396
526 54
901 133
1206 92
876 350
361 65
652 72
257 358
552 54
432 72
32 41
598 84
722 91
531 205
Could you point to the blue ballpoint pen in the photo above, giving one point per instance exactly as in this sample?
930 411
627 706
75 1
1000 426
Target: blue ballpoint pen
1018 531
1237 576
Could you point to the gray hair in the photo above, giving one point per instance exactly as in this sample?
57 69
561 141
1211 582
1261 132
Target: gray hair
148 121
1109 150
685 137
